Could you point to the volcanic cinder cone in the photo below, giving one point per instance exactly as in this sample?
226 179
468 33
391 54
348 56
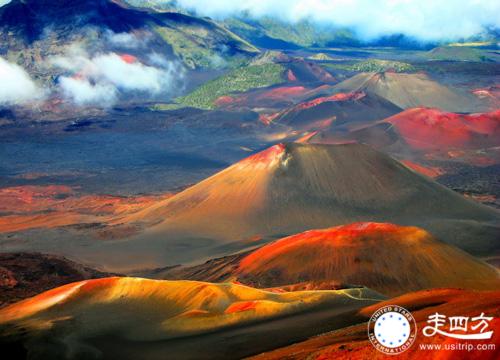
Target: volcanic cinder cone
336 111
411 90
426 133
388 258
433 129
420 131
290 188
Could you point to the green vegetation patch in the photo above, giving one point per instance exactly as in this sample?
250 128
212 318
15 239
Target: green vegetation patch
164 5
238 80
190 48
204 44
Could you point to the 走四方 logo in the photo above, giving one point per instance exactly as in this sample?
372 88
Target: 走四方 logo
392 329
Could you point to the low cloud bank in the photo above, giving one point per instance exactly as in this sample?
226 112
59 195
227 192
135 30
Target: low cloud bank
426 20
101 78
83 92
127 40
16 85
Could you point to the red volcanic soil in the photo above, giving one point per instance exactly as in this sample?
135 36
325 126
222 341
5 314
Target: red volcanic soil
426 134
376 255
275 97
265 157
31 198
340 235
335 97
225 100
283 92
352 342
267 119
290 75
433 129
338 110
278 97
490 94
26 207
304 139
263 98
431 172
241 306
129 59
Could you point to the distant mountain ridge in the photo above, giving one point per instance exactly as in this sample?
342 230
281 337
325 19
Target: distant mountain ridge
30 30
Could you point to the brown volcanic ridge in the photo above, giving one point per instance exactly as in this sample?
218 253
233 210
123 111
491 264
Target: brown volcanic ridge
388 258
411 90
294 187
133 318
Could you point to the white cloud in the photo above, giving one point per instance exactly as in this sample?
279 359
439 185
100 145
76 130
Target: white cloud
422 19
125 40
100 79
82 92
128 74
16 86
158 60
